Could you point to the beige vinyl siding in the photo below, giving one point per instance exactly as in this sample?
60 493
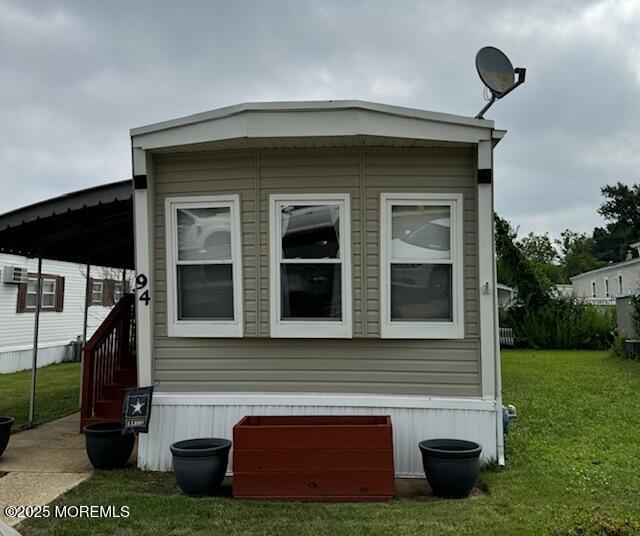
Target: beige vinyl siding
365 364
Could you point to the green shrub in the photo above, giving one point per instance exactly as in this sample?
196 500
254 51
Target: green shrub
562 323
635 313
617 347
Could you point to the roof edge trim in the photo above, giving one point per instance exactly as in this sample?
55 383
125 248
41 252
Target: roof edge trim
310 106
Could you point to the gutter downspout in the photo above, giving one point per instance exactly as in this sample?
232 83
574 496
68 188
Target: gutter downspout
496 321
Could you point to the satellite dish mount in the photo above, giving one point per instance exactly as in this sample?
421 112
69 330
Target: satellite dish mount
497 74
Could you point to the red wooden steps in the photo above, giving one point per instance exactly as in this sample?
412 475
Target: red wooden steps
115 391
109 407
126 377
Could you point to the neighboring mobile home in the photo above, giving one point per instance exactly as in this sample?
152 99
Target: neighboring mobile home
318 258
603 285
62 310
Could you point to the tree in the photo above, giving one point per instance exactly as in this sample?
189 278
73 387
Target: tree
538 248
577 254
516 270
611 243
622 205
621 208
542 254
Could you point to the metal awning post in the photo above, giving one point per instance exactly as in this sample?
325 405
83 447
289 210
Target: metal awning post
87 292
87 301
36 328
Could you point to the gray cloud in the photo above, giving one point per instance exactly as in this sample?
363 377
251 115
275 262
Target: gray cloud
75 76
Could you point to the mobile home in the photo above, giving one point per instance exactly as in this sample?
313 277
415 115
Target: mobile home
603 286
63 309
318 258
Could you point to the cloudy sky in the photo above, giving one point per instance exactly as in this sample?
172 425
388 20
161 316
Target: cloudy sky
76 76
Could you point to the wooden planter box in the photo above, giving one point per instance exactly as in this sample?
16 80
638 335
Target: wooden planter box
318 458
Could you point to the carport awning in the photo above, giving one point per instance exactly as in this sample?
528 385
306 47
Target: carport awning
93 225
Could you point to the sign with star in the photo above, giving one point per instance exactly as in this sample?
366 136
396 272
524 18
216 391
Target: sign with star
136 410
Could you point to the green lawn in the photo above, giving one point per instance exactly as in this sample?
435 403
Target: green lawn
572 469
57 393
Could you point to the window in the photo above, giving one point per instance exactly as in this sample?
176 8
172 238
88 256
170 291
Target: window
48 292
310 265
106 292
97 292
204 272
606 287
593 289
421 270
619 284
52 294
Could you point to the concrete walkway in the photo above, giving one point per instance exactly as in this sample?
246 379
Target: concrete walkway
41 464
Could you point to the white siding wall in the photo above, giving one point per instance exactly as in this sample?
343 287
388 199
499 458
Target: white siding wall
57 329
630 280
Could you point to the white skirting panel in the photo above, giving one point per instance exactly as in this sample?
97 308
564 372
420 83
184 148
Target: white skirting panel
170 423
14 361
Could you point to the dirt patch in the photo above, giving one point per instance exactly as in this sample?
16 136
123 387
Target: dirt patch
417 489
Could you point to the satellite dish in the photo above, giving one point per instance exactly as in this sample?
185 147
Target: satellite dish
497 74
495 70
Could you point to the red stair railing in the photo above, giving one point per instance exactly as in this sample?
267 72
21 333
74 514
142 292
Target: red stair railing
109 351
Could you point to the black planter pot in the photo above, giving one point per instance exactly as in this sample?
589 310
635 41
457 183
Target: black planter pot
632 349
451 466
107 448
5 432
200 464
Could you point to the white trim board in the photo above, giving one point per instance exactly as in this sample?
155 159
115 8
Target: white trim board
143 214
487 292
313 106
322 400
297 121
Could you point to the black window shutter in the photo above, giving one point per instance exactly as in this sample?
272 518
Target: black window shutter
22 298
59 293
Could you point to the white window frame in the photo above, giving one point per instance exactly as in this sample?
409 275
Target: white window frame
594 293
203 328
312 328
423 330
35 293
94 285
606 287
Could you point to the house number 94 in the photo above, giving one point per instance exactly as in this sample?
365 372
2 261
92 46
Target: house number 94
141 283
